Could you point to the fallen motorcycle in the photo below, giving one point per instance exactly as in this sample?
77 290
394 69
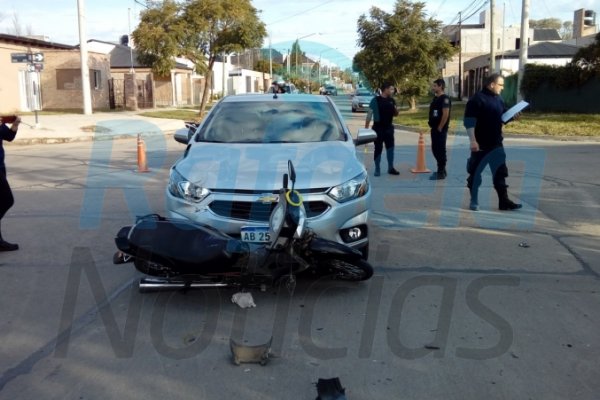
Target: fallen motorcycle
184 254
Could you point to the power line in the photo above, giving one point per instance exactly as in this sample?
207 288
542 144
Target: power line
300 13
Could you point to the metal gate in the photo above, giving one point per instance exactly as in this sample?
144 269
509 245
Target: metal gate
117 96
116 93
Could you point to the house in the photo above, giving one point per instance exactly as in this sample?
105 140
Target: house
547 53
474 40
134 85
54 81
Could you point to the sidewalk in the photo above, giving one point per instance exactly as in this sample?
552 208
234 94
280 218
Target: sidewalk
64 128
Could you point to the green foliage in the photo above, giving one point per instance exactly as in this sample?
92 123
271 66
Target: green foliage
566 77
584 66
296 55
198 30
158 36
262 66
403 47
588 58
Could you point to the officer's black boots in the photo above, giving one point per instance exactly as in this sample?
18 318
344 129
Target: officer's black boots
440 174
504 203
5 246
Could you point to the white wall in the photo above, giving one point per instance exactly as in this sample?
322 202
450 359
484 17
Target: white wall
512 65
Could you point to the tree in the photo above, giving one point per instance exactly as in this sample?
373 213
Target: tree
588 58
199 30
566 32
545 23
403 48
159 37
296 56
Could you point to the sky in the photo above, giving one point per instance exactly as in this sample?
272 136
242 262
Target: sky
325 28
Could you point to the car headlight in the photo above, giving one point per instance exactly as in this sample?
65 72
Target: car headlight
353 189
184 189
277 217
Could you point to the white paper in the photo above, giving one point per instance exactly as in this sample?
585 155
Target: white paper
517 108
243 299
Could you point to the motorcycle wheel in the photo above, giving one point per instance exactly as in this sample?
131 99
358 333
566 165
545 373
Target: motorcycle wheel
348 270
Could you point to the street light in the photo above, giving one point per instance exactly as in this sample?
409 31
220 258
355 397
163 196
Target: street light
298 46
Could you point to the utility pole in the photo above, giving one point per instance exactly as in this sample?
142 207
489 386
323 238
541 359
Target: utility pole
85 71
131 70
270 59
523 50
492 37
460 77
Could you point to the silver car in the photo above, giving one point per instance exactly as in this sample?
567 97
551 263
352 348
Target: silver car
361 100
232 167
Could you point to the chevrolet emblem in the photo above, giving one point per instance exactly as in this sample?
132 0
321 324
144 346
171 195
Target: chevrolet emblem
267 198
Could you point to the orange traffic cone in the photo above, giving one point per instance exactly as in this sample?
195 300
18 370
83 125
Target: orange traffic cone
141 155
421 164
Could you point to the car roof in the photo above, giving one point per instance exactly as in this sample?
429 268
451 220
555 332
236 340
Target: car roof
254 97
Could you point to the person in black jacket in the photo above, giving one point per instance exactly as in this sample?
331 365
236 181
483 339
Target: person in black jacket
483 121
6 197
439 120
383 110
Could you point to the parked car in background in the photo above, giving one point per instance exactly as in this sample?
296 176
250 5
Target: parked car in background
330 90
361 99
231 170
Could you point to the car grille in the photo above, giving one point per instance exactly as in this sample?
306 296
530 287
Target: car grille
260 212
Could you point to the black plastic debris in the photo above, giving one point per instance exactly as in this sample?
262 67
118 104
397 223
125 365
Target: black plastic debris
330 389
525 245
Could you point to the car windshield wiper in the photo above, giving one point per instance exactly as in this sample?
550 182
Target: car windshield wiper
210 141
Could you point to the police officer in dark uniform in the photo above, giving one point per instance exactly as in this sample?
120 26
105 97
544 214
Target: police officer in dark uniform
439 120
383 110
6 197
483 121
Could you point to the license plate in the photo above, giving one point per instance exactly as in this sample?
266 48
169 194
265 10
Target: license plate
255 234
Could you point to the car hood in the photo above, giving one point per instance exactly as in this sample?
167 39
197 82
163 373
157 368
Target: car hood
364 98
260 167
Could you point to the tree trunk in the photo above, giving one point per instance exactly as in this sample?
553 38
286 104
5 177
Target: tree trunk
413 103
207 83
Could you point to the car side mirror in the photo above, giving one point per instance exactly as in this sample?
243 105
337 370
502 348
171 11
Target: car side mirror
182 135
365 135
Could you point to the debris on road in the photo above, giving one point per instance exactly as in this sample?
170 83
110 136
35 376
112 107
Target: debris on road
258 354
243 299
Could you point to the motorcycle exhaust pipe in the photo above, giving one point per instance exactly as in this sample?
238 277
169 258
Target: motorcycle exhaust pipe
152 285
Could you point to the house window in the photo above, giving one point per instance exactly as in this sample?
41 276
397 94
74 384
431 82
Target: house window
96 79
70 79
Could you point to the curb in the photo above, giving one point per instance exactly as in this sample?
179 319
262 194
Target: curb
88 138
591 139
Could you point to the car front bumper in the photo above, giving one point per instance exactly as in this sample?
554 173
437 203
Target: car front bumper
230 212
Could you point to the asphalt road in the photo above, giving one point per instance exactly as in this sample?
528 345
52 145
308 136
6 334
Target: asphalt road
463 305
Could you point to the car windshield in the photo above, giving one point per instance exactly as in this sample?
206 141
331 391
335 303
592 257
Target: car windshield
363 93
272 122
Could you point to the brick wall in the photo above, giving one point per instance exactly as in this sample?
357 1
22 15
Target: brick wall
61 80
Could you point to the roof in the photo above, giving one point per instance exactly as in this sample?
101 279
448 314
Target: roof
121 57
545 50
545 35
25 41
